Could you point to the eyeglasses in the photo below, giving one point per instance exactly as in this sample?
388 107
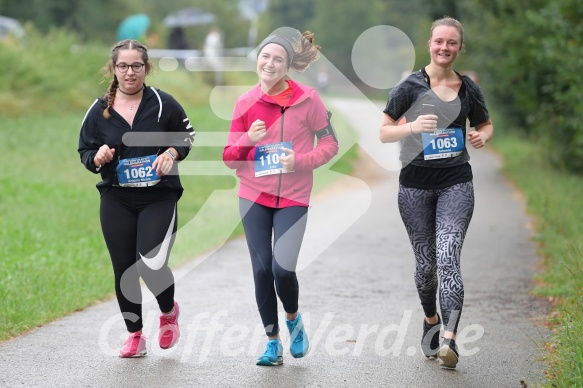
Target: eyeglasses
136 67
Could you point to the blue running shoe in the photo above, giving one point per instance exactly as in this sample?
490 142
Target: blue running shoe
299 342
273 354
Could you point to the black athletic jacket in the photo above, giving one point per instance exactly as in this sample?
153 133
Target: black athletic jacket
160 122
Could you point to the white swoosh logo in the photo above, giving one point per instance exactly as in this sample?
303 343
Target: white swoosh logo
156 262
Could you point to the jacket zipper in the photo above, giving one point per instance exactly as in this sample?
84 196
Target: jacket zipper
282 109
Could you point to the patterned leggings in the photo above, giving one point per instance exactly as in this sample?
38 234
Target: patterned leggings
436 221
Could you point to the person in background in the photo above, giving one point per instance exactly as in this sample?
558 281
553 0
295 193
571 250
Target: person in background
213 51
271 147
139 189
427 113
323 80
177 39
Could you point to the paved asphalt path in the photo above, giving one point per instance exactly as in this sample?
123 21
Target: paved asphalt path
357 297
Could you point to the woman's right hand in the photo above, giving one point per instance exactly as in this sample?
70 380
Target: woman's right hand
424 123
257 131
104 155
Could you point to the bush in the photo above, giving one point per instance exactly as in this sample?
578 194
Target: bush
50 72
530 53
558 53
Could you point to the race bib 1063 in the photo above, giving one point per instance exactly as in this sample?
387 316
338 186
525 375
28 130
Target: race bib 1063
443 143
137 172
267 158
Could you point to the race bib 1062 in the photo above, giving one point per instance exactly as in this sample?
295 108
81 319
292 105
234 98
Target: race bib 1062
267 158
443 143
137 172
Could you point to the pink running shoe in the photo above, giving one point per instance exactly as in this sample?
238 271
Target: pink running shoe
169 331
135 346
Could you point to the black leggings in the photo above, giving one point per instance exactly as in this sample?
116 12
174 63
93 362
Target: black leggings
437 221
139 222
275 264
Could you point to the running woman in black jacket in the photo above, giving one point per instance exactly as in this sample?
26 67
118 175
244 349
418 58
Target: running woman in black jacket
133 136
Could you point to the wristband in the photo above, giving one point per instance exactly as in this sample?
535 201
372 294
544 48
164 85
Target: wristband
411 128
171 154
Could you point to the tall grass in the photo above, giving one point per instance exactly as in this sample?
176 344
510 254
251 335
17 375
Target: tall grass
54 259
554 197
51 72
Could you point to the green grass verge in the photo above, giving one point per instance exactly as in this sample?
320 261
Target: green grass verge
554 198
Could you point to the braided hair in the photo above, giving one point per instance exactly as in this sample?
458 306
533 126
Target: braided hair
109 68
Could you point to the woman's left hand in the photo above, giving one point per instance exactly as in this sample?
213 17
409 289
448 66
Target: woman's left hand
477 139
163 164
287 159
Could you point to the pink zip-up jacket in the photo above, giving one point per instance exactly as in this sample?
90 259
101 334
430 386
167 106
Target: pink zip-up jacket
296 123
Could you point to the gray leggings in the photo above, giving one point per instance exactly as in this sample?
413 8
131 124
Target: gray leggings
436 221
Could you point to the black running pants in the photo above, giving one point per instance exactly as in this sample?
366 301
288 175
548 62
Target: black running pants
139 226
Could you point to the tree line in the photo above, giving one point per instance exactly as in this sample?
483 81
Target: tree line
527 53
97 21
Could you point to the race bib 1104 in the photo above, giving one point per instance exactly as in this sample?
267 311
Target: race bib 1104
443 143
137 172
267 158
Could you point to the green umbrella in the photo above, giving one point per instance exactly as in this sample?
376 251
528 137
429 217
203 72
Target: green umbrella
133 27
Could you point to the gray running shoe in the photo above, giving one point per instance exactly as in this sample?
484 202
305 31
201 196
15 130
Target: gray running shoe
448 354
430 338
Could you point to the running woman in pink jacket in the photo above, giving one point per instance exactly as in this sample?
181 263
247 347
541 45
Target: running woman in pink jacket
271 145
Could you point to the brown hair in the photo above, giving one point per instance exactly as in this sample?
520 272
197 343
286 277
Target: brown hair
305 52
451 22
109 68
